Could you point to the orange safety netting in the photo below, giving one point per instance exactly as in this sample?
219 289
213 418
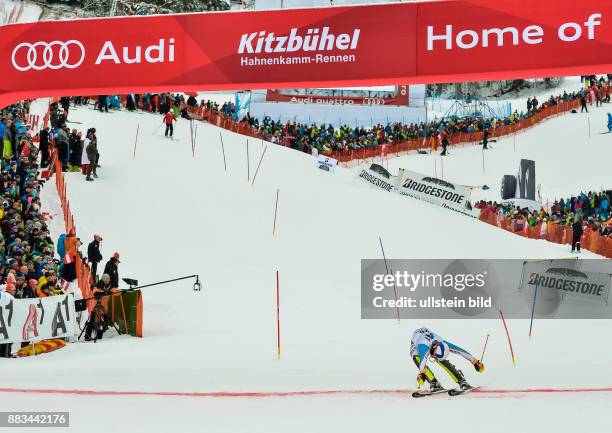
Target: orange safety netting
591 240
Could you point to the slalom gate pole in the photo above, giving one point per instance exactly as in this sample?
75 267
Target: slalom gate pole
394 287
589 120
508 335
435 167
483 162
535 294
278 344
275 212
484 348
258 165
223 150
191 133
136 140
442 168
195 139
248 162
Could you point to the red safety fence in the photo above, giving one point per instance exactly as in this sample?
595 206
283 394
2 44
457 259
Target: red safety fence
394 147
55 168
591 239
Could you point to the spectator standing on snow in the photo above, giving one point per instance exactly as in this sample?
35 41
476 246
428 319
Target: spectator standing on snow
577 233
62 146
444 141
43 145
169 118
71 246
102 103
7 140
92 154
94 256
583 103
75 150
129 103
485 139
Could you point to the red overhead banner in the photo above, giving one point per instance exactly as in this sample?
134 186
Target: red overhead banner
438 41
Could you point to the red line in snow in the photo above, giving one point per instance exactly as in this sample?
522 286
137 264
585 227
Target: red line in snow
285 393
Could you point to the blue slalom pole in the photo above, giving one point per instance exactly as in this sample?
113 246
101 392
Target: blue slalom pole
394 287
535 294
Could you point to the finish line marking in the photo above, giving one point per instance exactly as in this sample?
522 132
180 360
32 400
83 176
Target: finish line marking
287 393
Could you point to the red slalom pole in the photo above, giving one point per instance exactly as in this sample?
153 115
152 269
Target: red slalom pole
278 347
275 212
508 335
258 165
485 348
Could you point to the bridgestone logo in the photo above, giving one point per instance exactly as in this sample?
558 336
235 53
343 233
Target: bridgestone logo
376 181
313 40
564 284
434 191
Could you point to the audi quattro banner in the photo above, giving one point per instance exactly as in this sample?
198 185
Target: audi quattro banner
36 319
438 41
401 98
436 191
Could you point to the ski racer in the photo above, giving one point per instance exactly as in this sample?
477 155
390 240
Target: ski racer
427 345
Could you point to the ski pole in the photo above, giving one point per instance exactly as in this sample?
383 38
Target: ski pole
485 348
157 129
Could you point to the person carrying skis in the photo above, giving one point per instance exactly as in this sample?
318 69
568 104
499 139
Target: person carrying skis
429 346
169 118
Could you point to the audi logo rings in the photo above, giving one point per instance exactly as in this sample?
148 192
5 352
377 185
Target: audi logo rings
373 101
49 59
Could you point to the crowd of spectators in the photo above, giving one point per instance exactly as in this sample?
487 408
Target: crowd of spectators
31 264
75 152
28 268
592 209
326 138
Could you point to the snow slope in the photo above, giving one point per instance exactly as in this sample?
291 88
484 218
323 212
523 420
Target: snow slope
170 214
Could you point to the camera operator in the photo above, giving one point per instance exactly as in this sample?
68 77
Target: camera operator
98 319
111 268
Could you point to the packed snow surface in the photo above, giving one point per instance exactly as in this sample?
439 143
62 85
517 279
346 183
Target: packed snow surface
170 213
